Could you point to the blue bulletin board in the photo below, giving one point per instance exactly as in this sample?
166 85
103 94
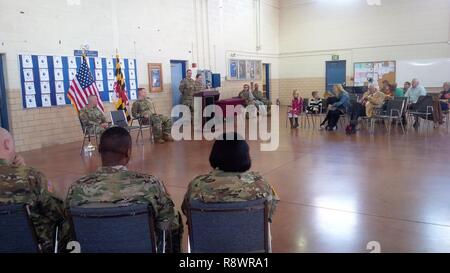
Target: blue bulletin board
45 80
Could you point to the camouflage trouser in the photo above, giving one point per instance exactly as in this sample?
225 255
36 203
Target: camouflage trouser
259 103
188 101
98 130
161 125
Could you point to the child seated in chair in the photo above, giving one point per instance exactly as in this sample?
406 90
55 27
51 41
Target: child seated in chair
315 104
296 109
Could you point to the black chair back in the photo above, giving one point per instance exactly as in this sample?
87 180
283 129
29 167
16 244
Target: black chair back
128 229
17 233
394 108
118 118
423 103
228 227
305 104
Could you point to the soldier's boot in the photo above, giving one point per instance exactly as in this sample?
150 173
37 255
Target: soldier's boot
291 120
168 138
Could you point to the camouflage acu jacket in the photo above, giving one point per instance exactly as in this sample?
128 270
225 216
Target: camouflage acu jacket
92 116
142 106
25 185
187 87
121 186
219 186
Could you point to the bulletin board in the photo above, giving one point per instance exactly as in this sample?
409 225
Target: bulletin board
378 71
244 69
45 80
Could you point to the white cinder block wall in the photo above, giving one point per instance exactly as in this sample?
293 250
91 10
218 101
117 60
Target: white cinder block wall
205 32
311 31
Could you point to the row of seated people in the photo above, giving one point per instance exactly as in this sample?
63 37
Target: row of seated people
339 103
298 106
230 180
255 97
142 109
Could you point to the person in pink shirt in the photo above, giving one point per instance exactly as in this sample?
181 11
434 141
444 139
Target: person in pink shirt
296 109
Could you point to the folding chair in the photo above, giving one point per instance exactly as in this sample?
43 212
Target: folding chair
109 228
118 118
88 133
423 109
17 233
394 112
229 227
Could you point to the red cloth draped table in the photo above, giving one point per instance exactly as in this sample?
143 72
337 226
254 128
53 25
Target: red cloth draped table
232 101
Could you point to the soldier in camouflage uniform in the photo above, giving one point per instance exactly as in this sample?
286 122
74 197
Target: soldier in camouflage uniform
20 184
187 89
259 96
91 117
143 109
231 180
254 97
114 183
199 86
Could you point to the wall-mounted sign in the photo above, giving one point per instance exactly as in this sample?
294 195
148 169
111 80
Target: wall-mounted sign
89 53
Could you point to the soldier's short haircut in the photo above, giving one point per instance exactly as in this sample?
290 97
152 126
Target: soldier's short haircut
114 143
230 155
198 75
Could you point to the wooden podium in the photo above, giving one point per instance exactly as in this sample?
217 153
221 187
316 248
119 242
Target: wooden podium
209 97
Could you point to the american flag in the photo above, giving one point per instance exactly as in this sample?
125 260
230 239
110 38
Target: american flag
82 86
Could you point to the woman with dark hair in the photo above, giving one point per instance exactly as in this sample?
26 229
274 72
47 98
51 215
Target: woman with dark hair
230 180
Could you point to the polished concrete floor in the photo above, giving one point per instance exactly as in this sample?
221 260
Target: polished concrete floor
337 192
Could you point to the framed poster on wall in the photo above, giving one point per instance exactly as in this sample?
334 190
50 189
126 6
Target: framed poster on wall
155 77
244 69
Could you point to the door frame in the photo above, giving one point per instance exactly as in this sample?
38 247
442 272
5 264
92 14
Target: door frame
267 76
3 97
326 72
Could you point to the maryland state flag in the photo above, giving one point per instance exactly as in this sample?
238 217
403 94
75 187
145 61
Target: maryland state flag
119 88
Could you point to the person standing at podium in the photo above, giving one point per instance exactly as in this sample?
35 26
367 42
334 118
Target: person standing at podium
199 86
187 89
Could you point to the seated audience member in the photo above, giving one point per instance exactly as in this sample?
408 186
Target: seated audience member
91 117
230 180
398 92
259 96
440 105
406 86
114 183
386 88
143 108
246 95
252 98
336 107
296 109
414 92
366 106
20 184
445 96
314 104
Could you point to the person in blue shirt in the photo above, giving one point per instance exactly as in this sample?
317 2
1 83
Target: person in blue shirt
337 106
414 92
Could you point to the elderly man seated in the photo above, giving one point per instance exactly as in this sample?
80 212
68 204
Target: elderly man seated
366 106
